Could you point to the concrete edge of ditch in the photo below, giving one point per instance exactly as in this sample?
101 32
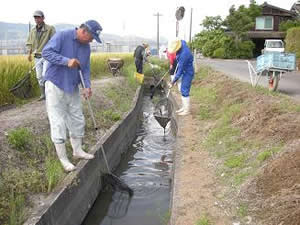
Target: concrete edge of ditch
70 202
177 156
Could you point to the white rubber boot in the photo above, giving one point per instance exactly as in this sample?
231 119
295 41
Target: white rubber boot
62 155
186 106
77 149
181 108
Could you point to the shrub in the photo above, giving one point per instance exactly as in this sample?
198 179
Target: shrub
245 49
285 25
292 41
219 53
208 49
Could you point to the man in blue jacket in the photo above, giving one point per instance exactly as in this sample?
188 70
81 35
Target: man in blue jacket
185 71
67 52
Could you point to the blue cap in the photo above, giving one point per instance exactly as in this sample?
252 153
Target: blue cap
94 28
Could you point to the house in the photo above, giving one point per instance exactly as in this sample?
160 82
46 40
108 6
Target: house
296 8
267 25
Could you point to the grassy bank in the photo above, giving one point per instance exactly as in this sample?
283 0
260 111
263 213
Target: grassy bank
30 168
246 131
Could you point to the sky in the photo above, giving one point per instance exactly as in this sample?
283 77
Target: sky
131 17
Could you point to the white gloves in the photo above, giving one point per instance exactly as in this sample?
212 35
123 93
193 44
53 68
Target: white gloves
170 85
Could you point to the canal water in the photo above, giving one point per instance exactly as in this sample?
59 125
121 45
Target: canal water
146 168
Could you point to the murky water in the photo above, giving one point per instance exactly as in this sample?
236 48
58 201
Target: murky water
145 168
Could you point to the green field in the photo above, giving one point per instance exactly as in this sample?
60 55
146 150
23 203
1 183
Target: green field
14 68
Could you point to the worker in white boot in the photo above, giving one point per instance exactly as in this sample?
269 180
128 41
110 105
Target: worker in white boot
66 52
185 72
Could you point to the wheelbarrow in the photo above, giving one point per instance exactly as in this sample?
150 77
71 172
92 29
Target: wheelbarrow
115 65
273 65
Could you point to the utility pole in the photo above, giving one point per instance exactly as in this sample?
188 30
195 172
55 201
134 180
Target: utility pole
191 22
157 15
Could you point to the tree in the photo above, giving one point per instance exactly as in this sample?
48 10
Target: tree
241 20
212 23
285 25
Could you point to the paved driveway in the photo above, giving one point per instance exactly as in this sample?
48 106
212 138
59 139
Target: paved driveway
289 84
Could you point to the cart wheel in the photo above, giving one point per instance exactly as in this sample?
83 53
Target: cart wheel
273 81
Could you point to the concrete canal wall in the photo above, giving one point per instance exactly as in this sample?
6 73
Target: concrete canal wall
69 203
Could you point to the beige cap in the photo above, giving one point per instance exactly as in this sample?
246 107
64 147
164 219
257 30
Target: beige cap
38 13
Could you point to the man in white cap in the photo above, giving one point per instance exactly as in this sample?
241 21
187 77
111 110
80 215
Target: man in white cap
185 71
67 52
38 38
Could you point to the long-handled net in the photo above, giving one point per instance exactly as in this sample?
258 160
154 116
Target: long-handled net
22 89
157 84
115 182
163 111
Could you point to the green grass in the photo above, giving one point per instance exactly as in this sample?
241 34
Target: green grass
17 209
20 139
235 161
240 153
241 177
54 172
206 97
262 156
13 69
120 97
204 72
38 169
204 220
243 210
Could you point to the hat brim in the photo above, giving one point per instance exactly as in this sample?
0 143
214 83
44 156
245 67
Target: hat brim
96 37
174 46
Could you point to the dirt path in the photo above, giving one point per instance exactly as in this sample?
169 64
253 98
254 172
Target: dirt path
196 187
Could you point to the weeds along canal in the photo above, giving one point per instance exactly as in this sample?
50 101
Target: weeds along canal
146 168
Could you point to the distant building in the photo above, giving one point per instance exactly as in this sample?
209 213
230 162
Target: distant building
267 25
296 8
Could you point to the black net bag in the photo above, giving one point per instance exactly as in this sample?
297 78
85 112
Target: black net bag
163 112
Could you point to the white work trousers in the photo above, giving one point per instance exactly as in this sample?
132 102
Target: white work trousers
40 69
64 112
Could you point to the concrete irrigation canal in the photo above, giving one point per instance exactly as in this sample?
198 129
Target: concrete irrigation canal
139 151
146 168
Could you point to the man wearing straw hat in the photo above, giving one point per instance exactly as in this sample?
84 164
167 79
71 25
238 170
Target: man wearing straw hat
38 38
67 52
185 71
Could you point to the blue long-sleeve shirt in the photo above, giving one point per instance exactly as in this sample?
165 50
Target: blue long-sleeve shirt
185 60
63 46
